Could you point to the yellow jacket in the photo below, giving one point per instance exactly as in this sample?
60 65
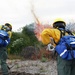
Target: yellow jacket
10 34
50 33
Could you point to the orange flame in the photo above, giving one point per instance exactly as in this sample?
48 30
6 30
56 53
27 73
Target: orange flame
38 26
39 29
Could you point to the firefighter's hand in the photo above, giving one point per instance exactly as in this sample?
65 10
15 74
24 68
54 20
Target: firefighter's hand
50 47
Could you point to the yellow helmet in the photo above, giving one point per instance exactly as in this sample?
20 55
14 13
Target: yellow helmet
9 26
59 23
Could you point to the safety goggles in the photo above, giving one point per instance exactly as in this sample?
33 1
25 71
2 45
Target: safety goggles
59 25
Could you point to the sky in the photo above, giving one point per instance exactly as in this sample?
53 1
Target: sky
18 12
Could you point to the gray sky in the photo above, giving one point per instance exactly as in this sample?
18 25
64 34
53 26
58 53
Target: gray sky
18 12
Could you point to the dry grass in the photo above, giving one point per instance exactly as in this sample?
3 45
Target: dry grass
15 57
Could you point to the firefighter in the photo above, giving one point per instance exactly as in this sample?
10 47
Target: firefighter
64 67
3 51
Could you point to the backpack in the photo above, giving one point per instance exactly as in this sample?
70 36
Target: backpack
66 46
4 38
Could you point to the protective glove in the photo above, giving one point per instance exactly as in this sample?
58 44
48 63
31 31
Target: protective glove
50 47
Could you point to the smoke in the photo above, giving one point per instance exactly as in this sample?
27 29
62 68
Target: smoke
39 27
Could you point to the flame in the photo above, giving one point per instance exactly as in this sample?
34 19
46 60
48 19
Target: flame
38 30
39 27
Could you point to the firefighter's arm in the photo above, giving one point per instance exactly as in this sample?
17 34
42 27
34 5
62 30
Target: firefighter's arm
10 34
0 27
46 36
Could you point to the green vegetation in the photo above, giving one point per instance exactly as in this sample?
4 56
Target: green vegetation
25 38
22 39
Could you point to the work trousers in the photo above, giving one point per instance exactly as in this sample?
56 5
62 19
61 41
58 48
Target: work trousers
65 67
3 57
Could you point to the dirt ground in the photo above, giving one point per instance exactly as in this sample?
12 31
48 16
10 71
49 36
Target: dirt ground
32 67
